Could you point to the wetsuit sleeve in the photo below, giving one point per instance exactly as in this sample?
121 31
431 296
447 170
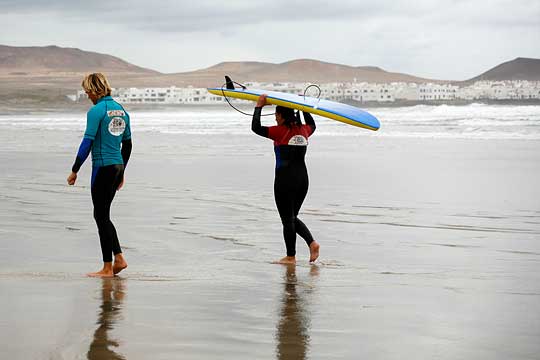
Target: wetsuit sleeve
93 119
310 122
126 151
82 154
127 131
256 123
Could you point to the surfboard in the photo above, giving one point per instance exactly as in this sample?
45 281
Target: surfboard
329 109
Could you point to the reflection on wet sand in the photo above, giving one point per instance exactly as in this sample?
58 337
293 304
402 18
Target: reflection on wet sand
112 295
294 323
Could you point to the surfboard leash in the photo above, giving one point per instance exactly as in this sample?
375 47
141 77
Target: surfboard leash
227 99
313 85
228 84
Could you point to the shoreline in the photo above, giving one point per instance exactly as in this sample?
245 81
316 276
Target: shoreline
63 107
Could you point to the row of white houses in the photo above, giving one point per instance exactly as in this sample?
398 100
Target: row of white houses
363 92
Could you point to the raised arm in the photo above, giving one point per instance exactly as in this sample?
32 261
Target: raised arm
309 121
256 121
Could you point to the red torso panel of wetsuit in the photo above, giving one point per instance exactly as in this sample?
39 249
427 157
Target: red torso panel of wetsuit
295 135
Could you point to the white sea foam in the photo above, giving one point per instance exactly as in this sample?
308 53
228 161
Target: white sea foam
478 121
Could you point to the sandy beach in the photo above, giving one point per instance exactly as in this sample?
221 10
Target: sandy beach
430 250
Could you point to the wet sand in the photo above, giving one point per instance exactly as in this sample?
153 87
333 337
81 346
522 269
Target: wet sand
430 249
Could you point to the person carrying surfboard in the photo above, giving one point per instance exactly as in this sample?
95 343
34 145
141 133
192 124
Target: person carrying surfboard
108 137
291 178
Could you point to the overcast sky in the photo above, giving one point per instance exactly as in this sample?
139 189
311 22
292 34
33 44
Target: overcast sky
452 39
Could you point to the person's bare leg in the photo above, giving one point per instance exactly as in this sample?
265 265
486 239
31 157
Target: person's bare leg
119 263
107 271
314 251
287 260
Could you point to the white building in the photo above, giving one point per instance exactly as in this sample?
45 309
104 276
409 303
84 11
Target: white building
501 90
362 92
437 92
170 95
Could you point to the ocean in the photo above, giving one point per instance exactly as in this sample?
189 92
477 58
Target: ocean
475 121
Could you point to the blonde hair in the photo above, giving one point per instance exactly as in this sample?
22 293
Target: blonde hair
96 84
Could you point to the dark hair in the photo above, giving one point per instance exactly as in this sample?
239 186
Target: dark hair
291 117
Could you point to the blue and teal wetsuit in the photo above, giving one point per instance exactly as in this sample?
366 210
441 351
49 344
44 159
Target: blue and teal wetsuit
108 137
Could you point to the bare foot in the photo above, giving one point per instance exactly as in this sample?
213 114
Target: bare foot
105 272
102 273
287 260
314 251
119 265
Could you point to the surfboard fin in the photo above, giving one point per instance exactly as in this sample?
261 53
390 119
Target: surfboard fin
229 83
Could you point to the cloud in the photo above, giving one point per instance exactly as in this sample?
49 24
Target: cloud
202 15
174 16
452 39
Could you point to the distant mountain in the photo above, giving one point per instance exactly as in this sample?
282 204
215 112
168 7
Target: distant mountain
51 60
45 74
517 69
302 70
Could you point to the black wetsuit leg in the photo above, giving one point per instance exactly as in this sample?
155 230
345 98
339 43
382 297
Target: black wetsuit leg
299 196
104 188
290 189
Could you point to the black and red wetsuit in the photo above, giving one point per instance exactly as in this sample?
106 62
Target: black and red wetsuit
291 181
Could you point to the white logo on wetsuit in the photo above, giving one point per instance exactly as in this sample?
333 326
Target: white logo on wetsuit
117 126
298 140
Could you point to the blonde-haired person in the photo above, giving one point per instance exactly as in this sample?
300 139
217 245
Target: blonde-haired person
108 137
